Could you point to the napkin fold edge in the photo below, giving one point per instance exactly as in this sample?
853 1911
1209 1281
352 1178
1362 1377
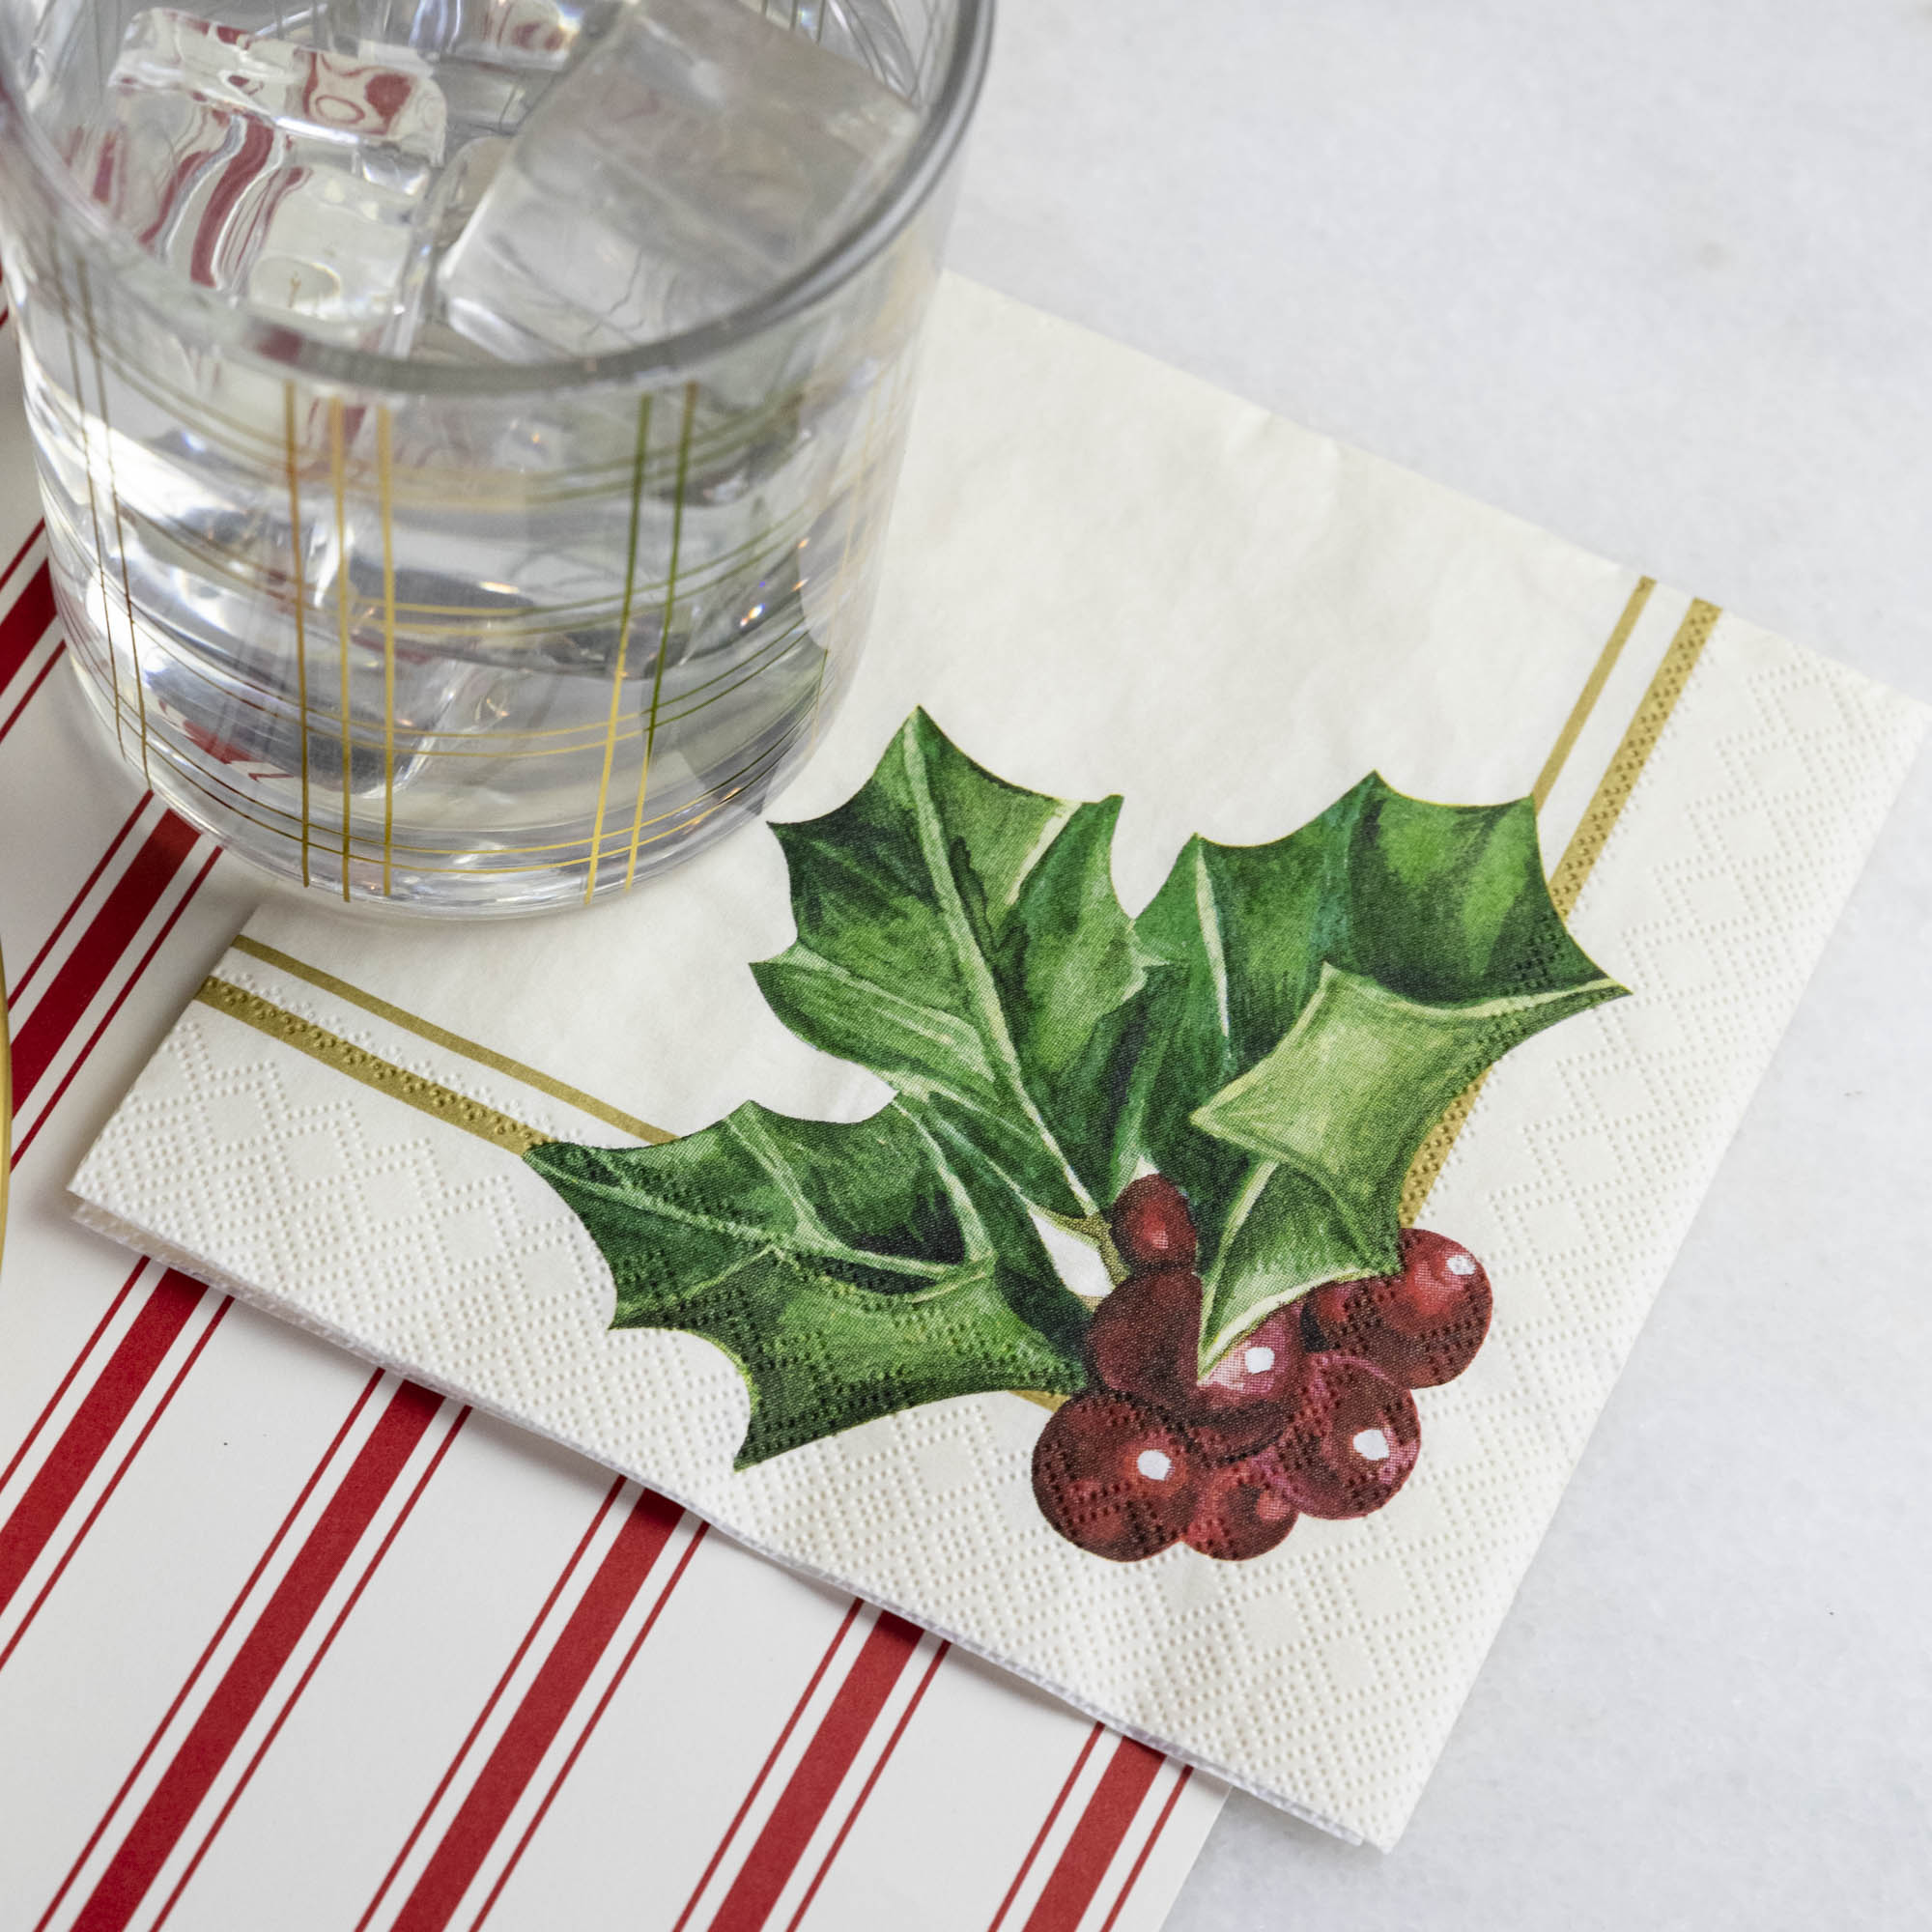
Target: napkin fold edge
139 1240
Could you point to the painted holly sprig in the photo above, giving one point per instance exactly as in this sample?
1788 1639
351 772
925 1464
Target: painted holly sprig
1273 1036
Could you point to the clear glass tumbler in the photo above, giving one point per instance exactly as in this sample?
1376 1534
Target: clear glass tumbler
454 635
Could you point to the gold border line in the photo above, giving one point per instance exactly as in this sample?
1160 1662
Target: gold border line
1593 829
413 1090
1593 689
1625 766
437 1036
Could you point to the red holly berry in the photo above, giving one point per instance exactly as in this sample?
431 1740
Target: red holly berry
1247 1397
1244 1510
1423 1325
1113 1477
1152 1227
1354 1439
1143 1338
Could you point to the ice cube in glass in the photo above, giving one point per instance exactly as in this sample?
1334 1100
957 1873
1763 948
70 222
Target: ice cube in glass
379 111
217 194
693 159
866 32
494 58
511 33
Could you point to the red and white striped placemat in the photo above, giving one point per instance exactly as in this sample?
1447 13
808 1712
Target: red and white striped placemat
285 1643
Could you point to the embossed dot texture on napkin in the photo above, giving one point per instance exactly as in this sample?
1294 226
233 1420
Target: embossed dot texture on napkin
1395 904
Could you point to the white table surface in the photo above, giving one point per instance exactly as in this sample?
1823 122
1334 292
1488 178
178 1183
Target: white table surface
1657 274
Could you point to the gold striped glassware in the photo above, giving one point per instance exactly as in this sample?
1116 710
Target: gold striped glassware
459 634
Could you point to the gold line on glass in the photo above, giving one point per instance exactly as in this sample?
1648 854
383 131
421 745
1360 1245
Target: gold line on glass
120 526
623 645
763 547
384 494
341 611
684 817
664 630
66 308
301 597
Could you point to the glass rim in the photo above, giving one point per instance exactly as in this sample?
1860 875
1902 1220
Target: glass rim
290 350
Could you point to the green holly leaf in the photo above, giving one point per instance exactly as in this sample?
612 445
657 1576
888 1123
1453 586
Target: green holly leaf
1328 994
847 1270
960 936
1335 1114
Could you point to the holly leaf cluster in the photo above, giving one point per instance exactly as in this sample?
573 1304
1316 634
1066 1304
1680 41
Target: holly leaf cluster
1276 1032
847 1270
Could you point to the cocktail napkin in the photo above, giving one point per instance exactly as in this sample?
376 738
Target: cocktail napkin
1445 876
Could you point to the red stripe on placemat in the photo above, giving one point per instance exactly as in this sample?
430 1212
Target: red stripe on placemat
221 1629
765 1769
844 1831
540 1716
817 1776
284 1619
79 898
113 1482
1139 1866
99 950
590 1724
32 1436
93 1426
1046 1825
26 623
121 1380
314 1665
13 563
46 670
1097 1837
490 1703
119 1000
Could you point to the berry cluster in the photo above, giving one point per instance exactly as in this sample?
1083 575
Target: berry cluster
1310 1415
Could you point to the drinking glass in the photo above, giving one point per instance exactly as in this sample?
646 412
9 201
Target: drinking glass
454 635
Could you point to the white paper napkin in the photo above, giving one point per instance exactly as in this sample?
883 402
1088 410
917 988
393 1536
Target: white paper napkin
1103 579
